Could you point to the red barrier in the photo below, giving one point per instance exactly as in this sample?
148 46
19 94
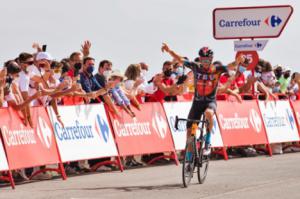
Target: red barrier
29 147
147 133
241 123
296 108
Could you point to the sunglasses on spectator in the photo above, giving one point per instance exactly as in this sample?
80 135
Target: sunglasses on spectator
29 62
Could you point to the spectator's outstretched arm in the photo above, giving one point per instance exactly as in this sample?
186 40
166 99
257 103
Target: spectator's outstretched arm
234 94
265 91
18 107
85 48
167 90
165 48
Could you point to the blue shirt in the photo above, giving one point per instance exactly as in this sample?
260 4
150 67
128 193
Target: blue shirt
89 83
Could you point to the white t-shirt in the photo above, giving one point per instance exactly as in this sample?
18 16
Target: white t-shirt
24 79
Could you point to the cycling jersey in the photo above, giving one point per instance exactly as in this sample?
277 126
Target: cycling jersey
205 80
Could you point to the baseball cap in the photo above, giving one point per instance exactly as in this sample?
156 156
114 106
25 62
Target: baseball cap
43 55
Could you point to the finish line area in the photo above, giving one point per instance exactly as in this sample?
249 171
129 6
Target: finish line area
257 177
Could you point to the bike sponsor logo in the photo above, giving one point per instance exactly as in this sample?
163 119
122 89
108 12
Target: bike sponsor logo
134 128
18 137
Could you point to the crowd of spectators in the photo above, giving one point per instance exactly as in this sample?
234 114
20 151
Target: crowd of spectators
36 79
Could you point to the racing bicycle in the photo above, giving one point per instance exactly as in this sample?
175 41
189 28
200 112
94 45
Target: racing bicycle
197 159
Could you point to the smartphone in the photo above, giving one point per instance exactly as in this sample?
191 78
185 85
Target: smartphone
44 48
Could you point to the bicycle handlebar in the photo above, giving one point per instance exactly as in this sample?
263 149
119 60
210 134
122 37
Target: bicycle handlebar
186 120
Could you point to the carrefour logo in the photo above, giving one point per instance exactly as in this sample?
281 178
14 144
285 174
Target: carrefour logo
273 21
255 120
44 133
73 132
239 23
290 119
102 128
160 125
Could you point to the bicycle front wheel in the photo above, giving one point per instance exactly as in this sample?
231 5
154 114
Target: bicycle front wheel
202 164
189 162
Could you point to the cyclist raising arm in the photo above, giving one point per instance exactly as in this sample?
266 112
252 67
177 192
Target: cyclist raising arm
206 78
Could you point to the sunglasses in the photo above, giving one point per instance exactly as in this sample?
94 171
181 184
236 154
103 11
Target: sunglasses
29 62
205 61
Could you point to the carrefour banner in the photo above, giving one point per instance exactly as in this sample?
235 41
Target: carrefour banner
279 121
26 146
181 109
241 123
148 132
84 134
3 160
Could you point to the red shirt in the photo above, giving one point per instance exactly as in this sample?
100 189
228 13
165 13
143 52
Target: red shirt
71 72
238 82
159 96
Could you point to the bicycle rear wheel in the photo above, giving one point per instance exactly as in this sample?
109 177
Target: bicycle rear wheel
189 163
202 164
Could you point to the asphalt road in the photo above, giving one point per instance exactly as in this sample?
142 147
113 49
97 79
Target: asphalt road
246 178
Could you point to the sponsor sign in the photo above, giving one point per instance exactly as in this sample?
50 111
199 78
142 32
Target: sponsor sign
250 45
250 22
240 123
279 121
181 109
86 133
26 146
148 132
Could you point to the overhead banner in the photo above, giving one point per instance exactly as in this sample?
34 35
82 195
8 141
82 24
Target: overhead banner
181 109
241 123
146 133
250 22
250 45
26 146
3 160
86 133
279 121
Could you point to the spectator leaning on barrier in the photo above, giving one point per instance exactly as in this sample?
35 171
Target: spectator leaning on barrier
285 80
293 88
118 94
167 88
104 70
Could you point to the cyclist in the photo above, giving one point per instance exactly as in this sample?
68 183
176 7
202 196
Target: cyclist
206 78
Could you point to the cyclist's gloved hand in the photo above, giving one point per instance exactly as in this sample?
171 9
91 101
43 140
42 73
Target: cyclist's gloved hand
181 79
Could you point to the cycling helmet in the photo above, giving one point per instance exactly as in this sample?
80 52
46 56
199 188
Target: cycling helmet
206 52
